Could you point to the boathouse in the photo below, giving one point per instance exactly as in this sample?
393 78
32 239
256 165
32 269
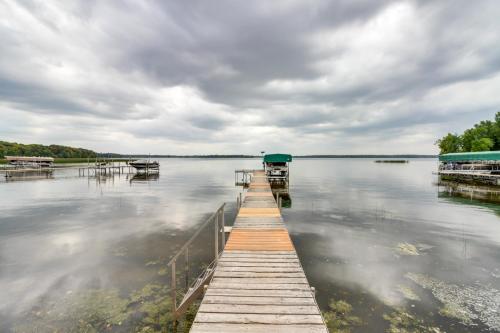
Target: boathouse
276 166
482 167
31 161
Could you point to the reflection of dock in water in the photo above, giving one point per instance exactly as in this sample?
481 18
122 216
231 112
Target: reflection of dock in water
144 177
27 173
450 189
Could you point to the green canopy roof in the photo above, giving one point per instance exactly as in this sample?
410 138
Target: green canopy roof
472 156
276 158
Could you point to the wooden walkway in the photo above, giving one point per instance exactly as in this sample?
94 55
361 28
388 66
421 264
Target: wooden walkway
259 284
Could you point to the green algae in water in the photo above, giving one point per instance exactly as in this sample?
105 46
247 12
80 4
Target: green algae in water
464 303
408 293
145 310
407 249
404 322
89 311
155 304
339 318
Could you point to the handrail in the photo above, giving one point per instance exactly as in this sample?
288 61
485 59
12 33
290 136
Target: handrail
197 288
200 228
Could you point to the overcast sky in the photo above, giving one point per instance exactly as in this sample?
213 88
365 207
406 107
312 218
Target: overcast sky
303 77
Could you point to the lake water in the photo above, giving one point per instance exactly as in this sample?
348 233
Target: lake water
81 254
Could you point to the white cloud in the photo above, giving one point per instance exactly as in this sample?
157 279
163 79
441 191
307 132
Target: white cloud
187 78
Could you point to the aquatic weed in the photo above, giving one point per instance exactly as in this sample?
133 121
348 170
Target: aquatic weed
339 318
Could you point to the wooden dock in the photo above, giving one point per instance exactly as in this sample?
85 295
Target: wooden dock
259 284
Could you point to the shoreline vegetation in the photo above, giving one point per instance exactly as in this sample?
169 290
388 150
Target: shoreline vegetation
483 136
125 158
66 154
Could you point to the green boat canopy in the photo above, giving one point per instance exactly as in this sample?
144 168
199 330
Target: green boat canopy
472 156
277 158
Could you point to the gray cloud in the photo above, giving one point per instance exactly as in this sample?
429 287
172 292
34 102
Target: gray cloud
195 77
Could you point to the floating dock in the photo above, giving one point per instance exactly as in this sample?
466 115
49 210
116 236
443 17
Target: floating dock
259 284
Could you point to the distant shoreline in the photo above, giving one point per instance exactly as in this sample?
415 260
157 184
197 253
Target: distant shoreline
257 156
117 158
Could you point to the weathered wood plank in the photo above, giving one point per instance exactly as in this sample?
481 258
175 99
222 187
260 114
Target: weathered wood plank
258 300
259 195
259 260
258 224
261 286
256 254
291 252
254 280
259 204
256 274
255 293
256 328
261 269
257 264
264 226
244 225
259 219
249 318
259 308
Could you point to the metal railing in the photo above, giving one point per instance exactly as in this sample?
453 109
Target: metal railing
196 288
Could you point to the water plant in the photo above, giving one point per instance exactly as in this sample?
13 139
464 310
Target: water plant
407 249
339 319
466 303
408 293
404 322
102 310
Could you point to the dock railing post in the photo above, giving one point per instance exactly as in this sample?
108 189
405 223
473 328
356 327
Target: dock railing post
174 292
223 228
186 267
216 234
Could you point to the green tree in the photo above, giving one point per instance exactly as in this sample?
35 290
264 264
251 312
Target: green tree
483 136
482 144
17 149
451 143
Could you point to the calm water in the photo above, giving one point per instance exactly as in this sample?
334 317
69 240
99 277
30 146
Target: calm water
382 237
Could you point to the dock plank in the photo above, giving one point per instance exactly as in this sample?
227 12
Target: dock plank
258 300
251 318
246 280
259 308
257 328
256 293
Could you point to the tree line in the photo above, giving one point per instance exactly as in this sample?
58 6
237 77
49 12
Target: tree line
483 136
56 151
